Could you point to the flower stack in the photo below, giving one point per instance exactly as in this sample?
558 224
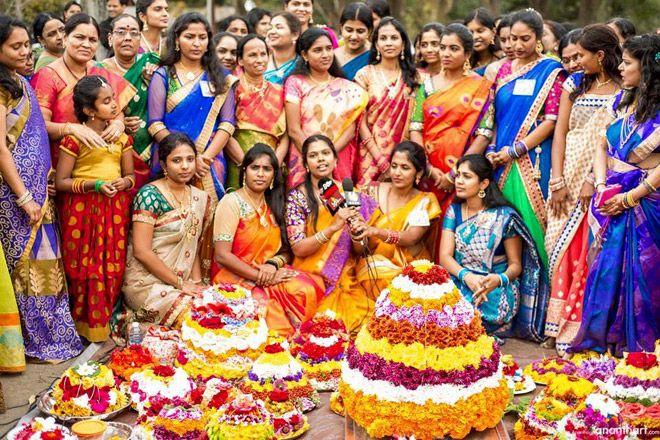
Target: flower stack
544 370
43 429
288 420
175 420
595 368
161 382
243 418
133 358
423 365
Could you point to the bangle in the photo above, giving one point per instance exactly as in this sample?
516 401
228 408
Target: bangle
382 164
98 184
461 274
24 199
557 183
590 178
272 263
451 175
321 237
598 182
628 201
393 237
504 279
491 149
179 282
648 185
196 281
131 179
367 140
429 168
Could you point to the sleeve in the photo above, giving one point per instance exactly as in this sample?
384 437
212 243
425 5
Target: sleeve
43 83
4 98
157 100
227 116
510 231
296 217
551 108
362 78
127 143
147 206
293 90
417 120
449 223
69 145
572 83
227 216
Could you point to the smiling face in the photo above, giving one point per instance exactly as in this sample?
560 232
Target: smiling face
630 68
355 35
389 42
303 9
590 62
259 174
429 47
52 37
403 171
157 16
279 34
81 43
261 28
452 53
483 35
570 57
255 58
523 40
238 28
320 55
226 52
180 163
125 38
193 41
320 160
114 8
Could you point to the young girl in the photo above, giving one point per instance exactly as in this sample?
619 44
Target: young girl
94 209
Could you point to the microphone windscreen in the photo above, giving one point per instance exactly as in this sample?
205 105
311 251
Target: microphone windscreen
347 184
332 198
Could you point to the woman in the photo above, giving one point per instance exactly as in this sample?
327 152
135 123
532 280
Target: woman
390 80
70 9
54 87
235 25
251 246
622 27
49 32
504 37
320 100
282 36
482 26
448 108
428 41
259 21
568 51
321 242
137 69
523 115
553 32
622 293
304 11
224 45
397 230
154 19
29 233
260 116
163 267
489 252
356 25
582 115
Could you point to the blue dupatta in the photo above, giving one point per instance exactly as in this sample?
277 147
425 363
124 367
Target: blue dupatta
357 63
279 75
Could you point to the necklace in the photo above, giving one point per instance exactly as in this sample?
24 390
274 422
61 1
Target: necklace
189 76
121 69
319 83
602 84
391 89
259 90
628 128
263 220
189 223
76 77
146 43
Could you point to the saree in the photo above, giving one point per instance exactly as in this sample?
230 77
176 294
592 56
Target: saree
94 229
175 240
447 119
33 252
523 100
287 304
43 61
259 119
352 67
56 94
622 293
12 351
330 109
280 74
568 236
517 309
388 260
388 114
332 266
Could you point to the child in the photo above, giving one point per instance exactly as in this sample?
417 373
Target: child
94 210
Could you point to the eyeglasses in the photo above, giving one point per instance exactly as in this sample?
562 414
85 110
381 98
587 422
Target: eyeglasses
121 33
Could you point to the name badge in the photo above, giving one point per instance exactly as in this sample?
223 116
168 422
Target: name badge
524 87
206 89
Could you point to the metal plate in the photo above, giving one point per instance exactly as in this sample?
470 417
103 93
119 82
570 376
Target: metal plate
46 404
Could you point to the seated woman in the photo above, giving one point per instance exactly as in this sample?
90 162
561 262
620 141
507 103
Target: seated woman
489 251
395 232
251 246
321 242
163 270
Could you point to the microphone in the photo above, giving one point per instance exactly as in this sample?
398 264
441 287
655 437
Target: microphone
332 198
352 198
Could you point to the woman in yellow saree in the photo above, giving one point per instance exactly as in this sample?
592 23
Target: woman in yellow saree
251 246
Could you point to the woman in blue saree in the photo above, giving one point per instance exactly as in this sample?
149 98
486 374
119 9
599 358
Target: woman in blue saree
356 25
622 293
281 38
490 253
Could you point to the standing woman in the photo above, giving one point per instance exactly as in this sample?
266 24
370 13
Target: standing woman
49 32
137 69
356 25
304 10
282 36
448 107
482 25
553 32
29 232
259 21
320 100
390 80
504 37
260 116
235 25
54 87
154 19
622 294
568 51
428 41
582 116
224 45
70 9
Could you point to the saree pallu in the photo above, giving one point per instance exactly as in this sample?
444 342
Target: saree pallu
622 294
329 109
352 67
287 304
388 260
519 308
259 119
33 252
519 99
12 351
387 116
43 61
279 75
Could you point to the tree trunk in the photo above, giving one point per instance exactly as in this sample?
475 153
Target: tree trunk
18 6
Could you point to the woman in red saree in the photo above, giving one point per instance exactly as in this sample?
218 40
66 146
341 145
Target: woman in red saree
251 247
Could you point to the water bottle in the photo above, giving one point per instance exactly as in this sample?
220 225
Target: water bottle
134 334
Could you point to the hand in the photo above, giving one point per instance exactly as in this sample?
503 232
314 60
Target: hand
445 184
132 124
203 166
51 189
436 176
107 189
33 210
357 225
192 289
112 132
558 202
472 280
148 71
486 285
501 158
88 136
283 275
265 275
586 194
613 206
341 217
362 232
120 184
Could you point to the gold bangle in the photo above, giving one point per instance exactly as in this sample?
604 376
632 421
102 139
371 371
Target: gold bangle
649 186
132 180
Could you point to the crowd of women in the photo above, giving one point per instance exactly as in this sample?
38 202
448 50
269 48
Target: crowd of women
521 157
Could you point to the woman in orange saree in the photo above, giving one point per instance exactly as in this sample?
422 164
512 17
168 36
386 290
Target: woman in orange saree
251 246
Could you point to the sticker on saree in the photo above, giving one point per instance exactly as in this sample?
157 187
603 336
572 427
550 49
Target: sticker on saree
206 89
524 87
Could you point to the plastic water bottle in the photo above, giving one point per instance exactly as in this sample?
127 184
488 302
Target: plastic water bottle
134 334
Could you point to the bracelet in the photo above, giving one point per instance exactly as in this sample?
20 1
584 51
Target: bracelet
557 183
599 182
272 263
590 178
461 274
132 180
366 141
517 150
393 237
648 185
98 184
382 164
628 201
24 199
429 168
504 279
451 175
179 282
196 281
77 186
490 149
321 237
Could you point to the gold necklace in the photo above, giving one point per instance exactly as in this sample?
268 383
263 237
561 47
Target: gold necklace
257 209
188 223
77 78
189 75
181 209
121 69
602 84
261 91
319 83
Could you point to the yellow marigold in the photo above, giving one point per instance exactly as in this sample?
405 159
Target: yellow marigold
198 368
521 433
570 387
578 358
181 427
323 367
402 299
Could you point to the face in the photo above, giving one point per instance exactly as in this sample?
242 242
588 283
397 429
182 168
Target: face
238 28
617 32
16 50
452 53
320 160
505 42
570 58
28 70
73 10
105 106
261 28
467 182
157 16
523 40
590 62
376 19
389 43
355 35
180 164
259 174
125 38
193 41
630 68
279 33
550 42
52 38
81 43
226 52
483 35
429 47
303 9
114 8
320 55
255 58
403 171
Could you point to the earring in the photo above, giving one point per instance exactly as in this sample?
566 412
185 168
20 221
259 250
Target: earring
311 20
145 28
600 65
492 42
466 67
272 184
539 48
481 194
243 178
403 55
176 47
165 173
377 55
92 117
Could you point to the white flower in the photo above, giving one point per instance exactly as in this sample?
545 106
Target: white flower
82 401
602 403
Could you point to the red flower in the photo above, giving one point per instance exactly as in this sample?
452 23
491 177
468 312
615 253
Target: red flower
181 358
164 370
279 395
52 435
435 275
219 399
214 322
278 424
196 395
296 419
274 348
642 360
